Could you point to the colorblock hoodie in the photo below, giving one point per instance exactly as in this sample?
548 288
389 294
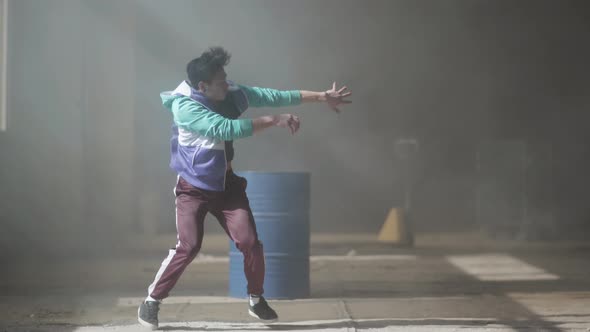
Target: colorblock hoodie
203 131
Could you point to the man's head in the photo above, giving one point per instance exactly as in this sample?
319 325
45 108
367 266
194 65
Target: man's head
206 73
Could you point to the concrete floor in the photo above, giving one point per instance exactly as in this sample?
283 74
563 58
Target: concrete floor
446 283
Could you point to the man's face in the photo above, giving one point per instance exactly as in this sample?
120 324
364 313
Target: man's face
216 88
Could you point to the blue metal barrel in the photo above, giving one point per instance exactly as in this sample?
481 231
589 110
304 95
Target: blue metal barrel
280 204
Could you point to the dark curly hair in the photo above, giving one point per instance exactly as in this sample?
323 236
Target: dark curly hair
204 67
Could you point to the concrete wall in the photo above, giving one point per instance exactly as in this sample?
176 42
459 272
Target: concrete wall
67 155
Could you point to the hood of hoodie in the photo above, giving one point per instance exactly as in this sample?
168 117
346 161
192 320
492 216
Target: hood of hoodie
184 90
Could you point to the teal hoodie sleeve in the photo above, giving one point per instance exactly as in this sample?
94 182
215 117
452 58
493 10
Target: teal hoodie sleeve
193 116
264 97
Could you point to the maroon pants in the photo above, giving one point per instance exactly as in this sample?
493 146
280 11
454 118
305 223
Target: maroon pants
232 210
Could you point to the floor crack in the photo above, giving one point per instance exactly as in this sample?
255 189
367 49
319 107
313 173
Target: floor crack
352 324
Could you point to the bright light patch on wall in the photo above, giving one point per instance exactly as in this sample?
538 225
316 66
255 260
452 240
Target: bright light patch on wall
499 267
3 56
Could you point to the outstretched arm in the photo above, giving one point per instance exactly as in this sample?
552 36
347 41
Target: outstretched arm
332 97
264 97
195 117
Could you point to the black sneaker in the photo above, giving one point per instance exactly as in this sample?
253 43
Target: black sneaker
147 314
262 311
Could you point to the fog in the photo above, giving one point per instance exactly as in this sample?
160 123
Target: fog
495 93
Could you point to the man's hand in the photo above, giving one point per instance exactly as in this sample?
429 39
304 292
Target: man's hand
336 97
287 121
284 121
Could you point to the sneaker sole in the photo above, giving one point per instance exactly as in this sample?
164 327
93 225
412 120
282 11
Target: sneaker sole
144 323
264 320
